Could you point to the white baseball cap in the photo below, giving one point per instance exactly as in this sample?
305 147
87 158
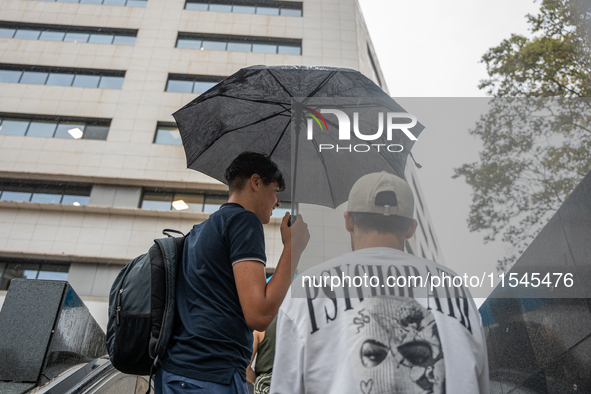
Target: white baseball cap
381 192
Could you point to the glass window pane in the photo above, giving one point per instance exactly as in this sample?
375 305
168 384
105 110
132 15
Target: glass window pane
77 37
289 50
18 271
124 40
92 1
111 82
93 132
49 189
69 130
46 198
212 203
114 2
188 43
15 196
27 34
264 48
168 136
196 6
179 86
86 81
51 275
290 12
10 76
97 38
136 3
220 7
69 1
160 201
193 201
41 129
53 272
7 32
60 79
244 9
239 46
48 267
202 87
52 35
34 77
268 10
75 200
14 127
214 45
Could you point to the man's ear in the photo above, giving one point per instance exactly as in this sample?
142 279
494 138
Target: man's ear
255 181
349 223
411 229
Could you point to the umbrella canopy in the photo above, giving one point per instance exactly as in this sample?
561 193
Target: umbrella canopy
252 111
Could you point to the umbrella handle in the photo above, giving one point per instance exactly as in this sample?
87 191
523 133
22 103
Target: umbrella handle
292 219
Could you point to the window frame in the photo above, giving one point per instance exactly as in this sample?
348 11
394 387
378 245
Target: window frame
192 78
237 39
82 72
5 263
88 123
256 4
66 29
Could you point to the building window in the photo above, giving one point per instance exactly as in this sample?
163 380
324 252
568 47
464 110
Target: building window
283 8
183 83
373 65
76 194
179 201
127 3
167 134
67 33
59 76
31 269
54 127
221 42
206 202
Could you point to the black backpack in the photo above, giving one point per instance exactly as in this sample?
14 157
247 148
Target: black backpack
142 307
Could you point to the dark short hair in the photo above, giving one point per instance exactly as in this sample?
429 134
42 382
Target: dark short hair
246 165
381 223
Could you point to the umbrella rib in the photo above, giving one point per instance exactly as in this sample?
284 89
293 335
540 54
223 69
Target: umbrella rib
327 177
279 139
280 84
321 85
228 131
252 100
258 121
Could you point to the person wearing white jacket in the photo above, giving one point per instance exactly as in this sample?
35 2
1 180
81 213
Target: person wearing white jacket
384 336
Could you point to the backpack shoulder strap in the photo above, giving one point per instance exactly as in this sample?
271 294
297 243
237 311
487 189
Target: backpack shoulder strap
172 249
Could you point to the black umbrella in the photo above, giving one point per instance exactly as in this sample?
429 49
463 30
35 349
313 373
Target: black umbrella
252 111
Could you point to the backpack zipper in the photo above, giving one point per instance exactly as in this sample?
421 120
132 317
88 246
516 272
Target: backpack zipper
119 304
119 295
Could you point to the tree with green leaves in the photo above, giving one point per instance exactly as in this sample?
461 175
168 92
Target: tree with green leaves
537 134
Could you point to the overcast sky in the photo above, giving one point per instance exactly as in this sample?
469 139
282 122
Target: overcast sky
432 48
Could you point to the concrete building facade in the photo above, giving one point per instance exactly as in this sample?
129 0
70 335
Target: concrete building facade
90 161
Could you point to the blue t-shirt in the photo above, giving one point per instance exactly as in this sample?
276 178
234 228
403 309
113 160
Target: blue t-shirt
212 339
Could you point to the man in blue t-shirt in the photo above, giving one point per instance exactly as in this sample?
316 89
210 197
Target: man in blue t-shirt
221 290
